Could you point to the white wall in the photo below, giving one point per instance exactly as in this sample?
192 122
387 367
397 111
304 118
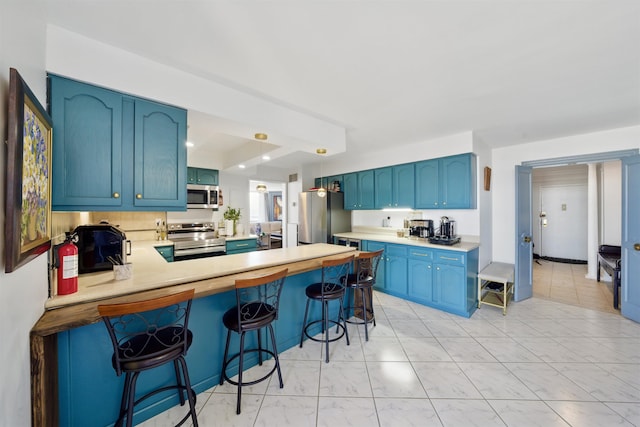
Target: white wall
503 180
551 241
22 46
611 203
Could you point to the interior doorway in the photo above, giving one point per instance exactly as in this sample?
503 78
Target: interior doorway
560 229
268 206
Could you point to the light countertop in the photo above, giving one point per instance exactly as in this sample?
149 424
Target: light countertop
389 236
152 271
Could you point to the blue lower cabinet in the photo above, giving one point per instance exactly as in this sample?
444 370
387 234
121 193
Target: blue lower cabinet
166 252
241 246
396 270
441 279
89 390
420 275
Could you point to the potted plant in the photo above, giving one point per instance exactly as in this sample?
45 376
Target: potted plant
231 217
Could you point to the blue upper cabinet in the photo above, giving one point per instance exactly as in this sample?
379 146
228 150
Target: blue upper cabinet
202 176
394 187
359 190
115 152
427 184
87 145
383 188
446 183
160 166
403 186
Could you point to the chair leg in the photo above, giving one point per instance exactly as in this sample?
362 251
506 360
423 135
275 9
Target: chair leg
132 394
325 327
240 368
344 320
275 355
371 301
179 382
304 322
259 347
365 313
190 392
124 400
224 358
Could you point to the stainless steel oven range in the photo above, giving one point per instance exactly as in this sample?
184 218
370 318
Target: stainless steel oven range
195 240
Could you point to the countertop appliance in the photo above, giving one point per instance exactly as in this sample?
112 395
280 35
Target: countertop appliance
202 196
421 228
321 217
195 240
353 243
447 233
100 246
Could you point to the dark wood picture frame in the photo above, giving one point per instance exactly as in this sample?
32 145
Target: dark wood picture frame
487 178
28 179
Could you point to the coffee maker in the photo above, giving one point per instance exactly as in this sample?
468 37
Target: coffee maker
421 228
447 228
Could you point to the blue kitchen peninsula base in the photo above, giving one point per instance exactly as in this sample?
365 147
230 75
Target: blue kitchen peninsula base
89 390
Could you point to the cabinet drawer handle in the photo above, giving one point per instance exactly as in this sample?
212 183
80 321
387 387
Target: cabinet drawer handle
417 254
116 195
138 196
449 258
242 244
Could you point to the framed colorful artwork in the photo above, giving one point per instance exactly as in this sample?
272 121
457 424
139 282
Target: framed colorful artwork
28 180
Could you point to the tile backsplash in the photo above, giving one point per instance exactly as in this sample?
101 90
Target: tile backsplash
136 225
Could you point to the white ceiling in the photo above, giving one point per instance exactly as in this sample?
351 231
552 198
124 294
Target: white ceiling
393 72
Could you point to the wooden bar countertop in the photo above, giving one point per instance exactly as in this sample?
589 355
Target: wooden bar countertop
152 277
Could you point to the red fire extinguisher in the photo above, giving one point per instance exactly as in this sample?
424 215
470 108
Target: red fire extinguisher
67 263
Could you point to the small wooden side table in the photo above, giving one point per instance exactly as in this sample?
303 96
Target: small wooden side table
495 285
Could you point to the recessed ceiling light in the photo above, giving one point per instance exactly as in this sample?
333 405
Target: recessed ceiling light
241 166
189 144
265 157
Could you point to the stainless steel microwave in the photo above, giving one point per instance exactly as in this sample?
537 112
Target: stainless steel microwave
202 196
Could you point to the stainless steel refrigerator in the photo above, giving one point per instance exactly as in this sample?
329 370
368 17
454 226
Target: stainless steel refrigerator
321 217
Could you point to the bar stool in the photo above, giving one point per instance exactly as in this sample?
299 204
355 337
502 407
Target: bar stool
148 334
332 288
257 301
361 283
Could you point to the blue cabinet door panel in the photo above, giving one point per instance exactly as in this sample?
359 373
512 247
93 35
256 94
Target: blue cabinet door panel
86 168
160 155
427 184
383 188
403 186
457 175
366 189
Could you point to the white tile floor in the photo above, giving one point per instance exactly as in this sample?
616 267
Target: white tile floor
543 364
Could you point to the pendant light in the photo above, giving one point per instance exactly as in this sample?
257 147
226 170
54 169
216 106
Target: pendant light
261 188
321 191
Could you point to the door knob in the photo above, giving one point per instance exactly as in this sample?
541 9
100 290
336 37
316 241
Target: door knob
527 239
636 246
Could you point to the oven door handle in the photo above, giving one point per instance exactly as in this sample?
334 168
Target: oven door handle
196 251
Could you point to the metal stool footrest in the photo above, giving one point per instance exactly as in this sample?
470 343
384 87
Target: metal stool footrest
331 322
357 321
253 350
